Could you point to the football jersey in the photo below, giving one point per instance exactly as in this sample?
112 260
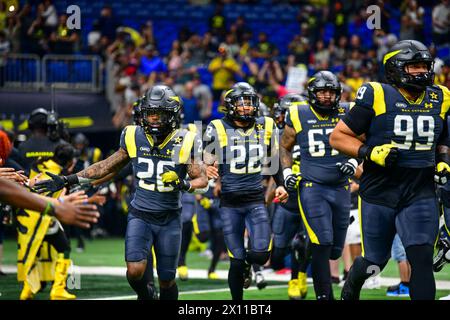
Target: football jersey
415 127
318 159
241 154
150 161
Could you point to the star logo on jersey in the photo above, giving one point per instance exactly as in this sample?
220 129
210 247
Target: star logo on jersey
428 105
170 152
178 140
341 110
259 127
433 95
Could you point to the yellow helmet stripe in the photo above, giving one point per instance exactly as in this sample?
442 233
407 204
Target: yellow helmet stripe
389 55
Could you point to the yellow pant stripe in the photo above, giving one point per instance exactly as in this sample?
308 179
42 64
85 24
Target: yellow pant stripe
360 226
311 234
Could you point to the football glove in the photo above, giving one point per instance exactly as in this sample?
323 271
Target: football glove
442 173
205 203
170 178
348 168
384 155
56 183
291 180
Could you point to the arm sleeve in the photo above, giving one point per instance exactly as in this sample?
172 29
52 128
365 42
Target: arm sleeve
360 116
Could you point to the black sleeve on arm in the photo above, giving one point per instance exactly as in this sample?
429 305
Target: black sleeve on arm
358 119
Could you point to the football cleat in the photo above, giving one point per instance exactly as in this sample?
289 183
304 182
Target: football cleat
183 273
302 285
247 276
443 255
213 276
260 281
294 290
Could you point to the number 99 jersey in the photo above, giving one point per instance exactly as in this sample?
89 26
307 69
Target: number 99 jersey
385 116
413 126
150 161
318 159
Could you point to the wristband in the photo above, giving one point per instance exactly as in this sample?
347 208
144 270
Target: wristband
49 210
443 157
71 179
287 172
363 152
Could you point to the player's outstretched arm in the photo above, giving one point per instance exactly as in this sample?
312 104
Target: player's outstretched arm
68 212
97 171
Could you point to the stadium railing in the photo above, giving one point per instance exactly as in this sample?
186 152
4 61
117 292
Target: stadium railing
28 72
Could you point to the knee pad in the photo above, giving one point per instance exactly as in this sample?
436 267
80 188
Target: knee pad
335 253
166 274
260 258
203 236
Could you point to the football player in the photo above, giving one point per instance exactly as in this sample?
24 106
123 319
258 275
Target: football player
399 129
286 222
161 155
324 195
240 142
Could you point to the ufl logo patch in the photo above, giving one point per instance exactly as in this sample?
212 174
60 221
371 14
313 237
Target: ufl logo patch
400 105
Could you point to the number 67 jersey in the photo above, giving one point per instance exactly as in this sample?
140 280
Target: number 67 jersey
318 159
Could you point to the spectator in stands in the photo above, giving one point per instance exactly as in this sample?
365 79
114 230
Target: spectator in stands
271 69
232 44
4 50
151 64
224 69
338 18
48 11
108 23
175 61
415 13
26 20
195 47
147 33
441 23
338 52
406 28
190 104
217 23
264 49
321 56
210 46
246 45
239 29
93 38
298 51
354 80
37 37
355 59
204 97
64 40
12 32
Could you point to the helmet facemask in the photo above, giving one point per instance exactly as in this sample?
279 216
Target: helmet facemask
324 108
244 107
158 122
